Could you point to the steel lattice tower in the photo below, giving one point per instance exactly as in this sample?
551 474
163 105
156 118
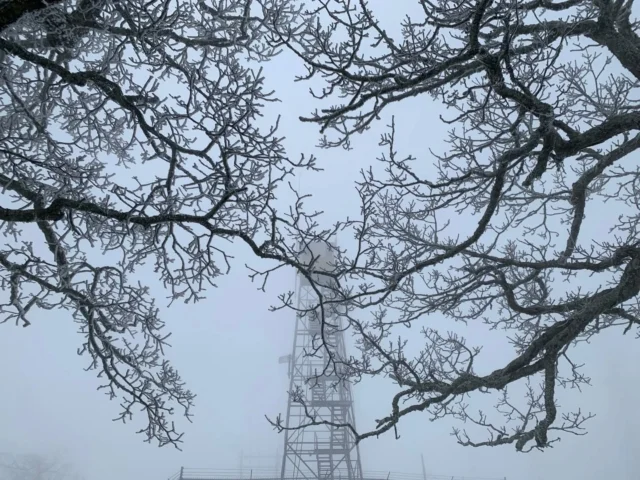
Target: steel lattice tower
318 452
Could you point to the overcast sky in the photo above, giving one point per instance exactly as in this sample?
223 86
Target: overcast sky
227 347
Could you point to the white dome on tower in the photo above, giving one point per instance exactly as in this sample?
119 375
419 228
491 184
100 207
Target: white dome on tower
318 255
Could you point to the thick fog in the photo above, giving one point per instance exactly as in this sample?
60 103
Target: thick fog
227 348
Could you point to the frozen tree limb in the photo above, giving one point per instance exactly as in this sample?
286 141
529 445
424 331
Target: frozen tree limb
130 136
545 123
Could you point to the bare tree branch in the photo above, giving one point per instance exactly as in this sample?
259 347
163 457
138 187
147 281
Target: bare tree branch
132 136
542 99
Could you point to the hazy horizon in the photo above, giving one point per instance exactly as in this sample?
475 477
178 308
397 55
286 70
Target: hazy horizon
227 348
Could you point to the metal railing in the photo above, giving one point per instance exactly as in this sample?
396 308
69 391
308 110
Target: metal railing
272 474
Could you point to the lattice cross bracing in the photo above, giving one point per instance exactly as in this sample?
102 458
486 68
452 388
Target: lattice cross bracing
319 451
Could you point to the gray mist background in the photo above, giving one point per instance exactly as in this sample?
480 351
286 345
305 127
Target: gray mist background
227 349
